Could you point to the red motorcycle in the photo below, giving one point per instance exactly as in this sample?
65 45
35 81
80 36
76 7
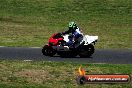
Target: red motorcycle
58 44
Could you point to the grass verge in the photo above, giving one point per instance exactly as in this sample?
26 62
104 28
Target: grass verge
43 74
32 22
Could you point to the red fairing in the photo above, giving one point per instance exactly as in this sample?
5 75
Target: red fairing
54 41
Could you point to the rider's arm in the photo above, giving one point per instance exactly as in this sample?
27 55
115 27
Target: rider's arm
78 30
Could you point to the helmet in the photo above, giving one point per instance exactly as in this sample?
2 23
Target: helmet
72 25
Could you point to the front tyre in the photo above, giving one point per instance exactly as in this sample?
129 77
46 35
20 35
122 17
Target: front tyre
86 50
48 51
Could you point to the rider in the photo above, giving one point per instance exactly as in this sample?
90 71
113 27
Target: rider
75 31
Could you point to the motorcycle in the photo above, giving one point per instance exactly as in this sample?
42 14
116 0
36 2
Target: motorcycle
57 44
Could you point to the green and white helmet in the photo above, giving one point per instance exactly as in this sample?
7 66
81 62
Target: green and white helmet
72 25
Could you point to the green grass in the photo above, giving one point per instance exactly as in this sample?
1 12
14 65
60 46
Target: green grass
32 22
43 74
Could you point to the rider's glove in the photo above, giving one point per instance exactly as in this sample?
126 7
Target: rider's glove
62 33
59 33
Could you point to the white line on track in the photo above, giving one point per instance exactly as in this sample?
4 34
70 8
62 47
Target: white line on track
21 47
2 46
27 60
34 47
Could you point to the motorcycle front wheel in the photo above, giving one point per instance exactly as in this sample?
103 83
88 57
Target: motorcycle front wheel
48 51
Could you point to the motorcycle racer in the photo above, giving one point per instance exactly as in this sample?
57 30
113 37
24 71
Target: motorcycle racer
64 44
75 33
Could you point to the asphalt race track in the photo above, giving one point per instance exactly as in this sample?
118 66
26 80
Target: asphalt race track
100 56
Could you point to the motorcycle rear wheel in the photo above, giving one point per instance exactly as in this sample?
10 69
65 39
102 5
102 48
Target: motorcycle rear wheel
86 51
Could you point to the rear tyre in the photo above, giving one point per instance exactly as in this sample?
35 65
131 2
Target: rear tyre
86 51
48 51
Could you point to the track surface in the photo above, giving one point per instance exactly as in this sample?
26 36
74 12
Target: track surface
100 56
